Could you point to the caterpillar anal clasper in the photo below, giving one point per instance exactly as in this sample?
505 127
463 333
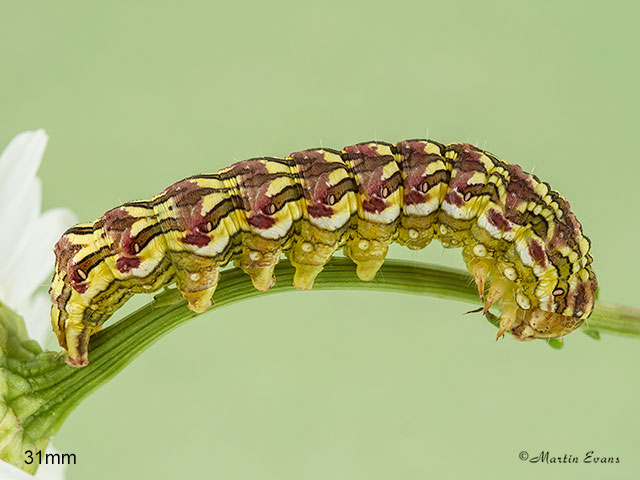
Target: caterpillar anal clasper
519 239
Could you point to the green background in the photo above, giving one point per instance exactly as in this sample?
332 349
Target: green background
343 385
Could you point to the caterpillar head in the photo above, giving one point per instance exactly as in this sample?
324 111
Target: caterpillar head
536 323
60 289
571 310
68 307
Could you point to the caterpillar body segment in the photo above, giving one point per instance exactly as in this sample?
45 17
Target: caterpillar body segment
328 204
519 238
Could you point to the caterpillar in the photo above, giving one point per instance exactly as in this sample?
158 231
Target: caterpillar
519 239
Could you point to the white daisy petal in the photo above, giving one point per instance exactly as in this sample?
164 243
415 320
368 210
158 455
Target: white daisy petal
16 223
26 253
36 261
10 472
36 315
19 163
13 150
11 293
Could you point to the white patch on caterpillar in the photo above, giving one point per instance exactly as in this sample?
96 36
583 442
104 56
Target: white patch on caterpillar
479 250
483 222
388 215
338 220
539 271
522 248
146 267
279 229
217 244
546 303
423 209
460 213
512 233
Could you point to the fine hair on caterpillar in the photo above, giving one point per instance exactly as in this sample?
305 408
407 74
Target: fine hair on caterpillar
519 239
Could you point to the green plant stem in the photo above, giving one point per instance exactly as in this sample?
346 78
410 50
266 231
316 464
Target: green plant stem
54 388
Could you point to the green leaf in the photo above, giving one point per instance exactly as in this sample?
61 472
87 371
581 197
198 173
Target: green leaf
595 334
556 343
